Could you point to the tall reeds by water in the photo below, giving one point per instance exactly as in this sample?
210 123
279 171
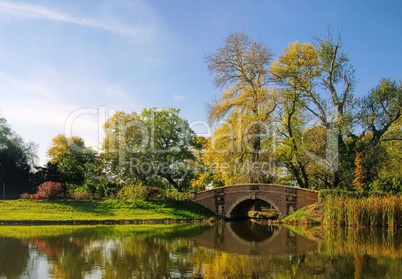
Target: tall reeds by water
371 211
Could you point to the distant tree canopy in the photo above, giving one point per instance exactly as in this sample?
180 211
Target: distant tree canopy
153 148
71 157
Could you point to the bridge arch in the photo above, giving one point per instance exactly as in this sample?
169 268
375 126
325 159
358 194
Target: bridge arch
236 209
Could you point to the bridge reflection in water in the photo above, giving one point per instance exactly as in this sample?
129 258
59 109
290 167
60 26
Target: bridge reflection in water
251 238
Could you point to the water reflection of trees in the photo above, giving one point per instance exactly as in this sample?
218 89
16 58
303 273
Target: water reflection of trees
374 253
127 254
13 265
341 254
123 252
374 242
175 255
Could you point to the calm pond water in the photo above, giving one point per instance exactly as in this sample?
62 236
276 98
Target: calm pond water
230 250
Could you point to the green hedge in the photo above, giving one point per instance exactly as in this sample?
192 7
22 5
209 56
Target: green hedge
324 193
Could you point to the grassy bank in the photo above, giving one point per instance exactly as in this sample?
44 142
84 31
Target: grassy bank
72 211
309 215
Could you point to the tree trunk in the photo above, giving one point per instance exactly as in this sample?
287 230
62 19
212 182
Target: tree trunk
173 183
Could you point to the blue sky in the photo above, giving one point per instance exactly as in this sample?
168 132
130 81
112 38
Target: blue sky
66 65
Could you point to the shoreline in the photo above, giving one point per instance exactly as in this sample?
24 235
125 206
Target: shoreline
101 222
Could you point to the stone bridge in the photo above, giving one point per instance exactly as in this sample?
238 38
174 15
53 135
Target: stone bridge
235 201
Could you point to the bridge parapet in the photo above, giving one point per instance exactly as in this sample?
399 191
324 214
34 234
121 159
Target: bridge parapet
230 201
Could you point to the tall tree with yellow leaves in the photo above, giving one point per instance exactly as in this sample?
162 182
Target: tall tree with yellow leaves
241 70
295 72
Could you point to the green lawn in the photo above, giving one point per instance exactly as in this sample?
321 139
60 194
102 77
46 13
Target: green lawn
70 210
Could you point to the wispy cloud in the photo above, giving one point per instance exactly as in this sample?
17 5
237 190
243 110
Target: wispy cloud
39 96
139 32
179 98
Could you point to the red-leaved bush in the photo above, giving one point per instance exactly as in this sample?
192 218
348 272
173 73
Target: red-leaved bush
49 190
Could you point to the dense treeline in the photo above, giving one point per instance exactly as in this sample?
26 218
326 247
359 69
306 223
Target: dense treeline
17 159
145 156
290 120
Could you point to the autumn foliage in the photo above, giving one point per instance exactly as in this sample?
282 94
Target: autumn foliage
49 190
359 181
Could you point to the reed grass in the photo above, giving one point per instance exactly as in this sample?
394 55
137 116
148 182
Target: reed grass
371 211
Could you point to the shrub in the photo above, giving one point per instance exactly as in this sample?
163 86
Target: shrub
139 192
49 190
151 192
323 194
173 195
81 193
131 193
388 184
